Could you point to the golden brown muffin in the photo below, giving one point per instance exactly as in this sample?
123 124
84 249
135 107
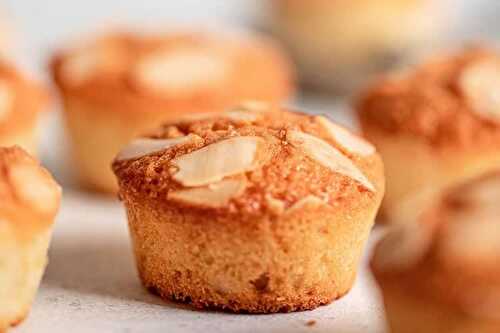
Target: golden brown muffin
338 45
254 210
29 200
21 101
436 126
442 272
122 84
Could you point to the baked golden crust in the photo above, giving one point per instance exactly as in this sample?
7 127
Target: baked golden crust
21 100
201 72
287 175
435 127
431 103
256 209
29 202
449 260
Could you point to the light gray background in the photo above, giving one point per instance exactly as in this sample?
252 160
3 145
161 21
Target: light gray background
91 283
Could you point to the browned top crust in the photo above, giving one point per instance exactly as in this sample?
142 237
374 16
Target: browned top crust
29 196
269 160
127 71
21 99
453 254
448 101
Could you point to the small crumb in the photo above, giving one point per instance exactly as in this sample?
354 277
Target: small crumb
311 323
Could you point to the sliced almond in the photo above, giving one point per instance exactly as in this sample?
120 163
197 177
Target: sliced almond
6 100
253 105
350 142
85 63
214 195
276 206
144 146
180 71
221 159
308 201
35 188
328 156
480 83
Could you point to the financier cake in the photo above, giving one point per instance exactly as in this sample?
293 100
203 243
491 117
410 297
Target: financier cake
29 200
434 126
255 210
441 273
121 84
339 44
21 102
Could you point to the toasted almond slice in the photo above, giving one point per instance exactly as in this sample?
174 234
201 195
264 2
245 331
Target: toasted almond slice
214 195
480 83
144 146
328 156
253 105
346 139
276 206
180 71
35 188
221 159
6 100
310 200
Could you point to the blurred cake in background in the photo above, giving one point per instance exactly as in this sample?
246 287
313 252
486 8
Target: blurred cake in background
122 84
21 101
435 126
338 45
29 201
441 273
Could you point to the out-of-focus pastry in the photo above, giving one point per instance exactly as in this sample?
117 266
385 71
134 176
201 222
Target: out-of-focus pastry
441 273
29 200
435 126
21 101
338 45
121 84
254 210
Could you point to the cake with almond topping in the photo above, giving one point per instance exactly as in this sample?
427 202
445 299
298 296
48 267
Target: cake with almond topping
441 273
29 200
21 102
435 126
339 45
254 210
122 84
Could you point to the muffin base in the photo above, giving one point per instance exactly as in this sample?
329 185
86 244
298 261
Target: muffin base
416 170
408 312
26 261
299 261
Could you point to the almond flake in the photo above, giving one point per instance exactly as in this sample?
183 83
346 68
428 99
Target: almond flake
328 156
221 159
480 83
276 206
185 70
349 141
145 146
213 196
310 200
6 100
35 188
253 105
